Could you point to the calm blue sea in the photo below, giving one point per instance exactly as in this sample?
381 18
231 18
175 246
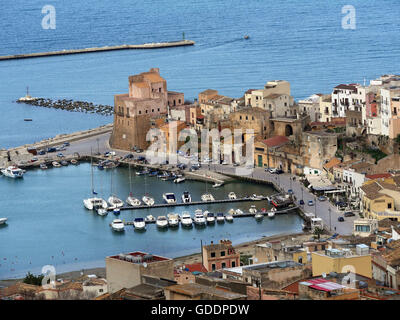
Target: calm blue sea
302 42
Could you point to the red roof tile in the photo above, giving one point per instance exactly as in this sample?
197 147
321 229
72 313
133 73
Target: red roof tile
276 141
378 176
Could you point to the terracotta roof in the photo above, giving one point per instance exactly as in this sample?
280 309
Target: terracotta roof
378 176
372 190
195 267
331 163
276 141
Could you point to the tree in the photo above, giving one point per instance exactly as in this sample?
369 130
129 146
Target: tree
318 232
32 279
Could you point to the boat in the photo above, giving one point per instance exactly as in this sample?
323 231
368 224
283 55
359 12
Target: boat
232 196
186 197
3 221
238 212
232 211
43 166
118 225
56 164
116 211
163 175
28 119
256 197
259 216
220 217
150 219
246 37
207 197
139 224
95 203
271 213
115 202
217 185
253 209
199 218
74 162
170 177
149 201
132 201
13 172
102 212
162 222
142 173
64 163
186 220
169 197
153 173
179 180
173 220
229 217
210 218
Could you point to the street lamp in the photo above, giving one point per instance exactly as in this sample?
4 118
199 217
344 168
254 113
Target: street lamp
330 227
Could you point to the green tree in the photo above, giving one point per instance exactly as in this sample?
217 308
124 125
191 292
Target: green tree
317 232
32 279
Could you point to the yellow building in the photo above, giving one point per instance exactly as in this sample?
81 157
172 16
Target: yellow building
341 261
380 198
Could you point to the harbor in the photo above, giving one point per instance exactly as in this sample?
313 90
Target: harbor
158 45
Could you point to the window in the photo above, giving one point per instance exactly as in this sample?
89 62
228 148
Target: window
233 264
152 110
223 265
222 253
389 206
140 111
212 254
213 267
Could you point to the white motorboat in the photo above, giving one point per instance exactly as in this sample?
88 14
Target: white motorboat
150 219
232 211
169 197
199 218
256 197
102 212
162 222
56 164
118 225
229 218
173 220
149 201
271 213
13 172
94 203
232 196
115 202
217 185
220 217
207 197
139 224
186 220
253 210
179 180
132 201
238 212
186 197
43 166
210 218
259 216
3 220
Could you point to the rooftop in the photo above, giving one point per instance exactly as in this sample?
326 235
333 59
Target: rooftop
195 290
138 257
276 141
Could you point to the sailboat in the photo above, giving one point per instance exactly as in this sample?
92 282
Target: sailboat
132 201
95 202
207 196
149 201
113 200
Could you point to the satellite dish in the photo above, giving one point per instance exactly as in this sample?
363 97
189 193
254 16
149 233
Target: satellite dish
145 264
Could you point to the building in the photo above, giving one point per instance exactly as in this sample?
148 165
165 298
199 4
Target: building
276 251
195 291
322 289
127 270
148 98
311 106
219 256
346 97
319 147
365 227
325 108
341 261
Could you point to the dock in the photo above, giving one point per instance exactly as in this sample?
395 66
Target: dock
157 45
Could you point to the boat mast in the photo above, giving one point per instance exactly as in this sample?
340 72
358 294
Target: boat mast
91 169
130 180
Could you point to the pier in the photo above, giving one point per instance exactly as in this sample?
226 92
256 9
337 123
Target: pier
157 45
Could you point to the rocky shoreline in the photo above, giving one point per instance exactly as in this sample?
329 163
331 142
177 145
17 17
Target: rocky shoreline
70 105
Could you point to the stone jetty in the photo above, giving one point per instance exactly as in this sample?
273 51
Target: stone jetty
70 105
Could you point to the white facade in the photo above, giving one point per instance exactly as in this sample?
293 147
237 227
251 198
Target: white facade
354 180
346 97
311 106
386 113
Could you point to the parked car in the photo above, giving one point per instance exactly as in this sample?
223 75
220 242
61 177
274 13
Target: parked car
340 204
60 155
66 144
322 198
310 202
349 214
181 166
42 152
128 156
279 171
34 159
139 150
52 149
271 170
290 191
301 202
340 219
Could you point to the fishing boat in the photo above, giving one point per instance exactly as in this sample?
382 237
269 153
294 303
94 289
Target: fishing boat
210 218
13 172
179 180
259 216
238 212
74 162
173 220
229 217
220 217
139 224
150 219
117 225
162 222
148 201
186 220
169 197
253 209
199 218
64 163
217 184
232 195
271 213
206 197
102 212
115 202
186 197
43 166
3 221
56 164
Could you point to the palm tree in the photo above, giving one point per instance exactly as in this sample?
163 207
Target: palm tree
317 232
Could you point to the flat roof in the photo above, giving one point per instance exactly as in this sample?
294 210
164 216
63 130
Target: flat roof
138 257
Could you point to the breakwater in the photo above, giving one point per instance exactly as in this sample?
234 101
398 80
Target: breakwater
157 45
70 105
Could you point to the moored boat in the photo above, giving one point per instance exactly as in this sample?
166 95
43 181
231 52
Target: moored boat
150 219
186 220
56 164
95 203
139 224
232 196
206 197
253 209
220 217
173 220
199 218
210 218
259 216
132 201
162 222
13 172
102 212
186 197
229 217
43 166
169 197
148 201
3 221
271 213
115 202
179 180
118 225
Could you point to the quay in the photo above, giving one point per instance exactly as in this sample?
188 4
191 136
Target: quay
157 45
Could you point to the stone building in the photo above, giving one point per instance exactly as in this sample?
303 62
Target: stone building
148 98
220 255
319 147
